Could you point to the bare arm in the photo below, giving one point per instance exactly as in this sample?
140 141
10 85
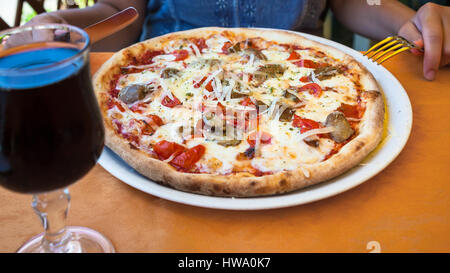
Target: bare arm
101 10
428 28
373 21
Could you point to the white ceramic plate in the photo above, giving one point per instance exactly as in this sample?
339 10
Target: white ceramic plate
399 122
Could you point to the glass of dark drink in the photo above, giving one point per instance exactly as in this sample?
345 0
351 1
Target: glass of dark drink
51 130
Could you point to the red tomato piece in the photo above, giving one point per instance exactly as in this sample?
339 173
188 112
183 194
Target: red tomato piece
168 102
305 124
148 56
285 46
180 55
198 130
221 107
113 91
111 103
200 43
155 120
307 64
304 79
247 102
225 47
265 138
313 88
291 46
124 70
131 138
120 107
199 83
147 129
293 56
137 107
187 159
335 150
351 111
208 86
327 88
164 149
258 173
134 122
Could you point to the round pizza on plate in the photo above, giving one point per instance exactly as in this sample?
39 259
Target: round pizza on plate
238 112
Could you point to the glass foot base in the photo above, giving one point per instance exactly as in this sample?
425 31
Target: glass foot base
81 240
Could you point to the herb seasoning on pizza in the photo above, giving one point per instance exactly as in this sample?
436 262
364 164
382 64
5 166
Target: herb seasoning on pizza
238 112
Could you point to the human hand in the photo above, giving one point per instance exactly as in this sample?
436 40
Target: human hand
430 29
36 35
46 18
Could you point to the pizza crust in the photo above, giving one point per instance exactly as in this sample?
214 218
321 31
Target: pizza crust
244 184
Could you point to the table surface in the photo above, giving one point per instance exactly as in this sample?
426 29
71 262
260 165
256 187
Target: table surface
405 208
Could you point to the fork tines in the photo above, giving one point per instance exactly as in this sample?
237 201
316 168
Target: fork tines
388 48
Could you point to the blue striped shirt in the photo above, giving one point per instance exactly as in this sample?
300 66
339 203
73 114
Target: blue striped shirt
164 16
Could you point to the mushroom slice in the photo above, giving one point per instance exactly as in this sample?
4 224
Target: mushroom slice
257 53
229 142
267 71
259 78
291 97
169 72
287 115
272 70
214 65
343 130
313 142
234 49
324 73
237 95
134 92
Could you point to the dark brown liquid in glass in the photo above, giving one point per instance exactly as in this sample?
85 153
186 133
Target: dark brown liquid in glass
51 132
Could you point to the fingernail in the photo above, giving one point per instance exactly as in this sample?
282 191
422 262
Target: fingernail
430 75
418 43
416 52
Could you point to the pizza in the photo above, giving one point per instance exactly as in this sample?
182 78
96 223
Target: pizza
238 112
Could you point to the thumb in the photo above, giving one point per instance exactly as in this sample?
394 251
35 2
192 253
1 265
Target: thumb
46 18
410 32
35 35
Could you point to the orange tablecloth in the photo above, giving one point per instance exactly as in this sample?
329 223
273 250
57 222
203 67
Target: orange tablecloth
405 208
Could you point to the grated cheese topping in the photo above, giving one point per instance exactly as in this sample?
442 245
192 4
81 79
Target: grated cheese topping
234 77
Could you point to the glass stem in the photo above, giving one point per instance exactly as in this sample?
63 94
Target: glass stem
52 209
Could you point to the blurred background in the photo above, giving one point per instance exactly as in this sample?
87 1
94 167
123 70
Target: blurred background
18 12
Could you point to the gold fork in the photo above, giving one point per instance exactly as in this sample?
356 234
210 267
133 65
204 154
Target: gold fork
388 48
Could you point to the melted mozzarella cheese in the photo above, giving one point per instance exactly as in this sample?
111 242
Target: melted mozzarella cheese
286 150
144 77
216 153
318 109
274 56
216 43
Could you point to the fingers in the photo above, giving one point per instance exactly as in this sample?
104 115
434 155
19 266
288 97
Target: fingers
445 60
419 44
46 18
410 32
17 40
429 23
36 35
